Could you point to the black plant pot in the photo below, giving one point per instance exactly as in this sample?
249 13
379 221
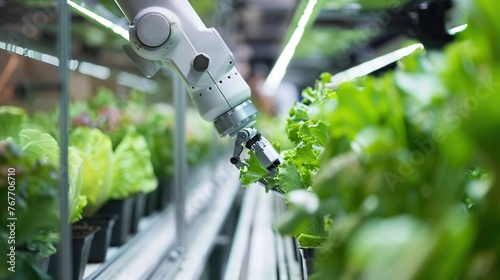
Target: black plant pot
308 255
122 208
81 242
102 238
151 201
138 211
164 193
43 263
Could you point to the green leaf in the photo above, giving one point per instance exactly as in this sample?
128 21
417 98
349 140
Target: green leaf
44 243
298 115
132 169
39 146
393 181
373 140
36 208
404 241
310 241
425 89
104 98
326 77
11 122
95 149
254 172
476 173
75 173
309 107
289 178
299 222
315 131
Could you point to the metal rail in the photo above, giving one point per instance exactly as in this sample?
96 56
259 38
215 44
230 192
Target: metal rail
64 44
205 228
240 245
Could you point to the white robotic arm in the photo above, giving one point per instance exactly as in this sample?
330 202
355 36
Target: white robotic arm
170 32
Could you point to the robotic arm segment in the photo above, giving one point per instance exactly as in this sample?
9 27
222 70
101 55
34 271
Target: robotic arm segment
147 67
170 32
238 149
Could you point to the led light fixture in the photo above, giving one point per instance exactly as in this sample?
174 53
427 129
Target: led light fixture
372 65
458 29
278 72
95 71
101 20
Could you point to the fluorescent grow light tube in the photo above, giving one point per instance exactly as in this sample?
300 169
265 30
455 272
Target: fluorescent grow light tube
96 71
43 57
101 20
457 29
86 68
372 65
278 72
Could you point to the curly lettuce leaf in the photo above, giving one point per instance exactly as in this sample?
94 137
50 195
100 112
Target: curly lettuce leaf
289 178
315 132
313 136
254 173
368 118
309 107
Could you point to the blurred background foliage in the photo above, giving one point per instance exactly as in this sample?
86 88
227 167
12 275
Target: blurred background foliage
396 177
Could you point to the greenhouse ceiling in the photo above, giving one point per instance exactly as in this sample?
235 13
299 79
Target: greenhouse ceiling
341 34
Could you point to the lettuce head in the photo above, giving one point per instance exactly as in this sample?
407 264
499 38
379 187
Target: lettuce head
40 146
96 150
132 170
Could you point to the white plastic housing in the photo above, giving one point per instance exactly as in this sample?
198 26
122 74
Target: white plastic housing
214 91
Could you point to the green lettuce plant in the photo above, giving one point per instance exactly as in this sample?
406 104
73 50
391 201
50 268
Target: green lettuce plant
132 169
95 149
35 156
12 120
36 210
157 128
39 146
395 184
